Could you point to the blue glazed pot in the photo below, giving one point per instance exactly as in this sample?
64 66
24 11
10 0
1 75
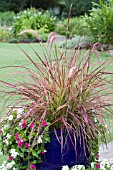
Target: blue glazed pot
54 159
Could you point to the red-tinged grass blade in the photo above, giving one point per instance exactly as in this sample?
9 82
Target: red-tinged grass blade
70 9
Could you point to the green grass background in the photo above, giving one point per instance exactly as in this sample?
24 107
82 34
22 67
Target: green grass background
12 55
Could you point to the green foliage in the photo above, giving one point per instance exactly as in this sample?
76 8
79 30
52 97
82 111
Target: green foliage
100 22
7 18
5 34
77 26
78 41
34 19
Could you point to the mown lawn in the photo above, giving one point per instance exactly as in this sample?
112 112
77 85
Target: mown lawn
12 55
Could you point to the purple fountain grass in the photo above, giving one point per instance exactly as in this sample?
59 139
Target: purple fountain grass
68 91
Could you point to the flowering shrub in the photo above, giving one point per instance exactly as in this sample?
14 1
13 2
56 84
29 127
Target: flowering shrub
35 20
17 141
102 165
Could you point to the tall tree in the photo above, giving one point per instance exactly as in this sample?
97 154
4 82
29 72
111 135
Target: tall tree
79 7
44 4
12 5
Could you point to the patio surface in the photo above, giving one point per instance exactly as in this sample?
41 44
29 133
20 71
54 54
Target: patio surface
106 152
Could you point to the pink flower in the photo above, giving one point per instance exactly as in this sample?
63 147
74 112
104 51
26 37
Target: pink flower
44 151
20 143
24 124
0 131
16 134
98 166
33 104
10 158
16 137
27 145
32 166
32 126
44 123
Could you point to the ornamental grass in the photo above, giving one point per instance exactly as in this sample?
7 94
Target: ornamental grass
65 90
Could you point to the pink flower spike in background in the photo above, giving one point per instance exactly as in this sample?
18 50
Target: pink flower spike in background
24 124
32 166
0 131
10 158
98 166
44 123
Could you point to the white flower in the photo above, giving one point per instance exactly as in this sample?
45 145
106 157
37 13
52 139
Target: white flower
39 139
12 150
13 153
14 168
102 168
4 166
1 119
12 162
2 129
45 151
20 124
108 165
74 168
65 167
92 164
21 140
6 141
10 165
20 111
8 136
95 120
10 117
104 162
18 116
81 167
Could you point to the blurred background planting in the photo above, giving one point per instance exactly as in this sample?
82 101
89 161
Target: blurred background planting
47 16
